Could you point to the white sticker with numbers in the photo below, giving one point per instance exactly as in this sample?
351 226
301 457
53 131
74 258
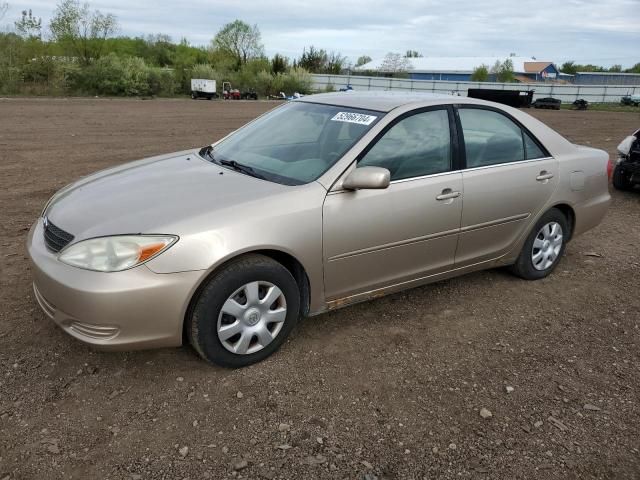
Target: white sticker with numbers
351 117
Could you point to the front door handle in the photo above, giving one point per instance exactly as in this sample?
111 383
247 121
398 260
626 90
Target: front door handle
544 175
447 194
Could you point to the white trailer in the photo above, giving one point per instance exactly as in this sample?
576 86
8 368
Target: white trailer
203 88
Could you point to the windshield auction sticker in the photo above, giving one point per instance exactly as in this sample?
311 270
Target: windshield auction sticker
350 117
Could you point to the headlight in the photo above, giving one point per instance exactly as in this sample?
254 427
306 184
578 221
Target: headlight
114 254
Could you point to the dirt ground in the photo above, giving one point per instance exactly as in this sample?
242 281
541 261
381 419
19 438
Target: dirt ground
388 389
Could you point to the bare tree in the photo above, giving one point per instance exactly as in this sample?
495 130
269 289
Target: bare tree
29 26
3 9
81 30
395 63
364 59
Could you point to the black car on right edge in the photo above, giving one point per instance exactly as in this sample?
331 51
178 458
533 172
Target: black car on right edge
626 173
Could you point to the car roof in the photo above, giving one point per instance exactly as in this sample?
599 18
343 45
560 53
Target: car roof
385 101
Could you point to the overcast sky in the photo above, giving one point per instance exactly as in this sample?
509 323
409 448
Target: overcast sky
603 32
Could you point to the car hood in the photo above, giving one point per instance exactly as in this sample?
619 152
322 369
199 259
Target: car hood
156 195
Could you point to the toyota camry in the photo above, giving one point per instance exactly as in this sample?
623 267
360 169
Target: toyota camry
322 202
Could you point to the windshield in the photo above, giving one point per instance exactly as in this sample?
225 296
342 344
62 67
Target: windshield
296 143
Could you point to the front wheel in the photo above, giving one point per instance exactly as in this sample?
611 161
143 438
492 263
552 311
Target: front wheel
620 179
245 312
544 247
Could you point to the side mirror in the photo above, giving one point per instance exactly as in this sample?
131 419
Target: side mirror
367 178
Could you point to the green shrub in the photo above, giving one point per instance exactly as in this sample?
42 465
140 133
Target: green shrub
40 76
162 82
122 76
265 84
10 80
203 70
296 80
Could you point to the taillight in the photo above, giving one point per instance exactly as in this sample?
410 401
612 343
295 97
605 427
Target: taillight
609 167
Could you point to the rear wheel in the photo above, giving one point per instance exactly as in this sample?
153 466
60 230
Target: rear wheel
194 95
245 312
620 179
544 247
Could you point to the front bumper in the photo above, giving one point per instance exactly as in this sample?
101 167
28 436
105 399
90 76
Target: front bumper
133 309
629 167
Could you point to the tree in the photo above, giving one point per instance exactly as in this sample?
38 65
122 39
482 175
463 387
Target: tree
313 60
335 63
159 49
81 31
3 9
480 74
634 69
364 59
29 26
591 68
503 71
413 54
240 40
569 68
319 61
395 63
222 60
506 71
572 68
279 64
615 68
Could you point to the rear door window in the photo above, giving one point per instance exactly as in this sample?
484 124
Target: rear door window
490 138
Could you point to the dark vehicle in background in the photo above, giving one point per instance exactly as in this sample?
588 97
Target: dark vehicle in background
630 100
580 104
626 173
250 94
547 102
513 98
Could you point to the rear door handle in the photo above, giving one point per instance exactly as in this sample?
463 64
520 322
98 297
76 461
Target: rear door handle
544 175
447 194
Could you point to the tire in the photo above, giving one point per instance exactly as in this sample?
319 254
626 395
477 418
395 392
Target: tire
620 180
194 96
229 287
547 258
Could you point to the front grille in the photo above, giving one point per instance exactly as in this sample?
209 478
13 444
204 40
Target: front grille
55 238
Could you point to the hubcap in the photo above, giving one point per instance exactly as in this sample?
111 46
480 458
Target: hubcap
547 246
251 317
